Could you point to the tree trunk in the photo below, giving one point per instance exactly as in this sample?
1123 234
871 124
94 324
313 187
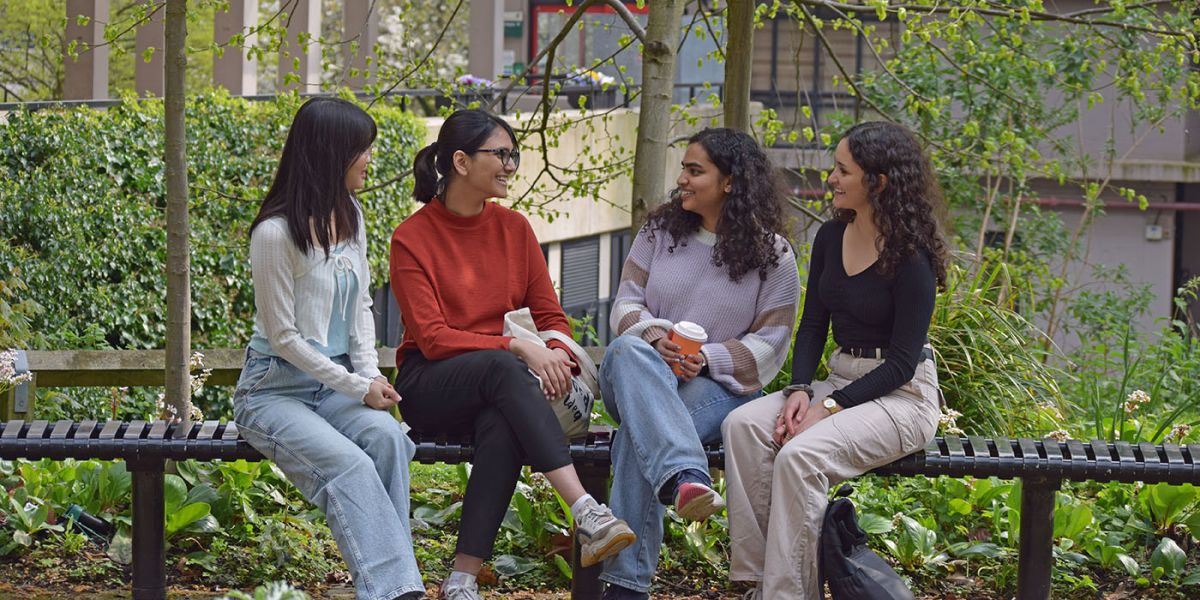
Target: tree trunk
179 298
654 119
739 54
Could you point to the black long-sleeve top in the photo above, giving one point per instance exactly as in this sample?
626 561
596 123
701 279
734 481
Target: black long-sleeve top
867 310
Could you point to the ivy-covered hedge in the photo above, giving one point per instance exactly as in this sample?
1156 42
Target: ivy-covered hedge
82 213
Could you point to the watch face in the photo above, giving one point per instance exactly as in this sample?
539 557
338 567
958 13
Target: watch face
830 404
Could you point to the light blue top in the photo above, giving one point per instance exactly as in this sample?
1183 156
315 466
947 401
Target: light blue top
345 285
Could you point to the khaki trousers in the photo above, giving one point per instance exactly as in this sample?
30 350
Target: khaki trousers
777 495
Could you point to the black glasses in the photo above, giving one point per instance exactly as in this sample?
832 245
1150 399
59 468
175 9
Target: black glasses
505 155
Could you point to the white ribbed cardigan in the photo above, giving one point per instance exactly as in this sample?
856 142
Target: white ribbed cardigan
293 299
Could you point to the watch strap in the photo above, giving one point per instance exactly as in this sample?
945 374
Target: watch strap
798 387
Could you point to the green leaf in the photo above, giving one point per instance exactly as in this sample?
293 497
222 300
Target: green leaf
1168 557
564 567
1166 502
874 524
174 493
208 524
960 506
1069 522
509 565
1130 565
185 516
120 549
982 549
434 515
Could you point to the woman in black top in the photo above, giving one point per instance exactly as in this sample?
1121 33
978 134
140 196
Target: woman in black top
873 275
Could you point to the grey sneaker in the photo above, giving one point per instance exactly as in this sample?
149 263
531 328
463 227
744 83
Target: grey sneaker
600 534
460 592
754 594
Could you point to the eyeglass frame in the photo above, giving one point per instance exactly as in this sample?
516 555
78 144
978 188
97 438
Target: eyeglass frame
504 154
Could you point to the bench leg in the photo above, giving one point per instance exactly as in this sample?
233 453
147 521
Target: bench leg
585 582
149 547
1036 558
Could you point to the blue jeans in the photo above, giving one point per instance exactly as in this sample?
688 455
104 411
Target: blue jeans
664 424
345 457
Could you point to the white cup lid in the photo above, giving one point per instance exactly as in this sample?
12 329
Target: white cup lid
691 331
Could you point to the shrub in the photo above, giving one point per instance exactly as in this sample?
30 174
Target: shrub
82 212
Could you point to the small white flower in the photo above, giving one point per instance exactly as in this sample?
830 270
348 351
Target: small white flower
1178 432
1060 435
196 361
1136 399
948 422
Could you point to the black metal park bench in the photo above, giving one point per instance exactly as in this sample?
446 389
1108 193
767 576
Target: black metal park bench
1041 464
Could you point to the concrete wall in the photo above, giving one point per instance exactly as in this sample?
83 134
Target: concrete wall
578 216
1120 237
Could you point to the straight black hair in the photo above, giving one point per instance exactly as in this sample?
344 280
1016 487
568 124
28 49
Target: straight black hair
309 190
464 130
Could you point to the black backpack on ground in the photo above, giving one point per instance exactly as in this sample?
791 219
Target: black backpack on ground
854 571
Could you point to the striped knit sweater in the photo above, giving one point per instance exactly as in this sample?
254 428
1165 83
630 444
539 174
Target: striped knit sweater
749 323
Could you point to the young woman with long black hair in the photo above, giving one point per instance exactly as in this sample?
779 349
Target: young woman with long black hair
458 265
873 275
311 397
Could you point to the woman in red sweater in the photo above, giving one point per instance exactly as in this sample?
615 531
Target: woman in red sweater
458 265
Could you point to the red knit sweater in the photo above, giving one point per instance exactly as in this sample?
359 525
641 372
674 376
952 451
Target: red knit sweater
456 276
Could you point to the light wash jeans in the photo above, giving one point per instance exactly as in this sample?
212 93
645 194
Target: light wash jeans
664 422
345 457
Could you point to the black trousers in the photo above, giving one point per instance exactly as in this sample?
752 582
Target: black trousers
492 394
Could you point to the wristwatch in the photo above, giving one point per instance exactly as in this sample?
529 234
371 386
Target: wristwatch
831 405
798 387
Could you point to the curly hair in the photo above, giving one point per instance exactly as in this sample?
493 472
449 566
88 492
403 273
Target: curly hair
908 208
750 215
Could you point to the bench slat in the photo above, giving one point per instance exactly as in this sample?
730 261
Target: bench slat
110 430
979 447
954 448
207 431
37 429
85 430
158 430
61 429
1055 460
12 429
231 431
134 431
1173 453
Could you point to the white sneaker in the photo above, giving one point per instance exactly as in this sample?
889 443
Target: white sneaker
697 502
754 594
600 534
461 591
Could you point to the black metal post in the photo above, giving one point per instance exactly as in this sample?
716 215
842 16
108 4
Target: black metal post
585 582
149 546
1036 557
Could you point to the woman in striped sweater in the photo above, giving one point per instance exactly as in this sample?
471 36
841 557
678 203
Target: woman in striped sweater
713 256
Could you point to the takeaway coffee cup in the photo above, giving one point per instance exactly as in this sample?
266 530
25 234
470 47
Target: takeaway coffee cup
690 337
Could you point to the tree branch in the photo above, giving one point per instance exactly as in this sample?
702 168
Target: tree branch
623 12
424 59
1033 15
